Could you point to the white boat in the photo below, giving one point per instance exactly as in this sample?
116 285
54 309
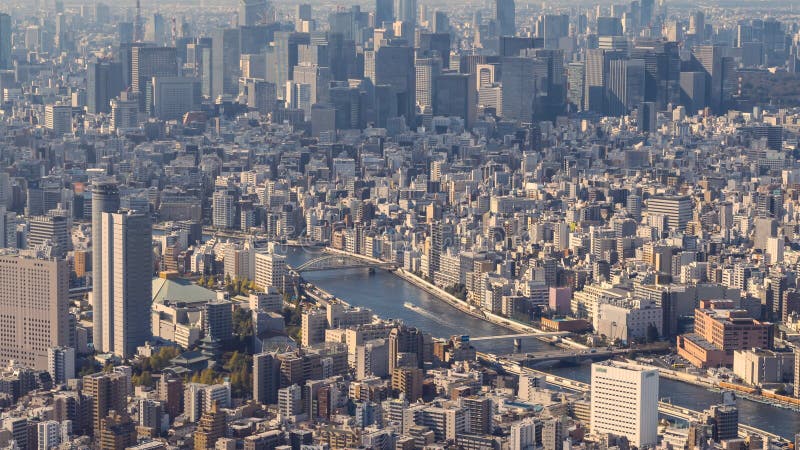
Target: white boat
410 305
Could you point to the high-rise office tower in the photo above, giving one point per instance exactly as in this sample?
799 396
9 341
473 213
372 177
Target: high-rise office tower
284 58
553 102
317 77
427 71
225 62
105 198
505 14
697 24
519 88
253 12
646 117
435 44
662 71
625 86
175 96
125 32
104 81
551 28
5 41
157 30
609 26
148 62
456 96
625 402
693 91
719 75
384 12
646 12
598 62
35 301
576 74
394 67
126 257
441 23
406 11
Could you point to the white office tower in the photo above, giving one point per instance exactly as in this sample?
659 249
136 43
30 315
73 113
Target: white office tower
127 269
625 402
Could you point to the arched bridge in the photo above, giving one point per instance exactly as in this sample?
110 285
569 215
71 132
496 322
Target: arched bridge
338 262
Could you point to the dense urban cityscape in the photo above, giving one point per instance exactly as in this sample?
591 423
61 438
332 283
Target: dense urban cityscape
399 225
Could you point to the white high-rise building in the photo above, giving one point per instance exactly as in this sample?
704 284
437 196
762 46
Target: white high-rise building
625 402
222 209
127 262
270 271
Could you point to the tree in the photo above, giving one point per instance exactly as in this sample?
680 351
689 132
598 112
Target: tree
207 376
145 379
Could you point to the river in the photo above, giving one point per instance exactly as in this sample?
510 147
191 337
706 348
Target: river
783 422
385 294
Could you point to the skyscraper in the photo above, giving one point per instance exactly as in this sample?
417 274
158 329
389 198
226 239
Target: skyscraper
127 262
519 88
384 12
427 71
34 299
506 16
625 86
104 81
253 12
456 96
394 67
148 62
5 41
719 75
175 96
284 57
406 11
225 62
625 402
598 62
105 198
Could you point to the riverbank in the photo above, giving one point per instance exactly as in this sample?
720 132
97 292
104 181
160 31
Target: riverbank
462 306
714 385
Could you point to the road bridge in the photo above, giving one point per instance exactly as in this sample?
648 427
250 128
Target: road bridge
333 261
521 335
664 407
